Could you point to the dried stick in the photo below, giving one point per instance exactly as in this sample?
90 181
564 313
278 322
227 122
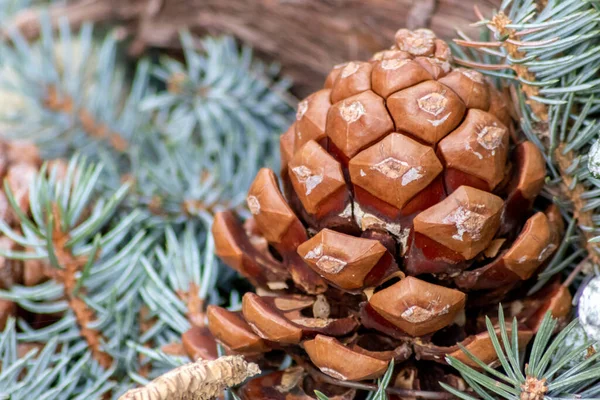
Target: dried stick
201 380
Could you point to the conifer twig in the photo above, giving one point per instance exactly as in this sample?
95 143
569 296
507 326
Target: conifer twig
201 380
59 102
72 265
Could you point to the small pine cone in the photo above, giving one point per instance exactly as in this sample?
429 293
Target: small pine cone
407 201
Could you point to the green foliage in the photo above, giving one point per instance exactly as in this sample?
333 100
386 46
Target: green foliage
128 222
233 108
48 373
73 93
548 363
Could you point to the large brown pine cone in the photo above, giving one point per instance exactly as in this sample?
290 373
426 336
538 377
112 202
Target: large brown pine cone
409 210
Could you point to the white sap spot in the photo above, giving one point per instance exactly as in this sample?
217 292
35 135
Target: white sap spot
473 75
362 173
433 103
313 322
352 112
465 221
411 175
326 263
307 177
333 373
253 205
469 148
403 240
391 167
522 260
490 137
417 42
546 252
314 253
444 65
416 314
350 69
302 108
370 221
396 169
438 122
330 265
347 213
312 183
394 64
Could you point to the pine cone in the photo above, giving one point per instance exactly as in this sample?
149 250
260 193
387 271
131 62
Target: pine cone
409 210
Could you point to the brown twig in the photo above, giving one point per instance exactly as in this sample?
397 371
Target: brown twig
574 191
404 393
59 102
146 324
83 314
195 305
499 23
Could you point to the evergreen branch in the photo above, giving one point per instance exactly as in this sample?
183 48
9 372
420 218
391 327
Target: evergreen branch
232 108
60 234
58 81
45 372
103 245
553 371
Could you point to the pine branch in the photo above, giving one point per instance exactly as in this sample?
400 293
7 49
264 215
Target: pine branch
552 371
180 278
71 242
98 244
73 96
230 106
46 372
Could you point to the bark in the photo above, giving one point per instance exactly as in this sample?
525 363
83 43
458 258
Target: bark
307 36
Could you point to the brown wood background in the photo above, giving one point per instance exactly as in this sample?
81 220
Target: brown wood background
307 36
